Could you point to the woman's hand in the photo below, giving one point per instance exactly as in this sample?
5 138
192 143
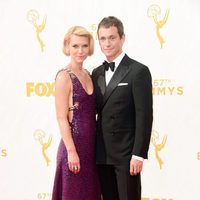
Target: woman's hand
74 162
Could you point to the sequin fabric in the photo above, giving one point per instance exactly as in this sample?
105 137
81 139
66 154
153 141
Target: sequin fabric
85 184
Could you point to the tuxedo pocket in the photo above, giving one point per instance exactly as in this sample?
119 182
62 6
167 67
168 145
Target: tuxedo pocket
122 84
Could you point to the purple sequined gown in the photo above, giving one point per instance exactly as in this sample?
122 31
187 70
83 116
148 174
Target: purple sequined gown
84 185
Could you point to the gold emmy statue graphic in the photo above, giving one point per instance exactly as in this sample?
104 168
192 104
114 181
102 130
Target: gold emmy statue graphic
39 135
94 31
153 12
33 17
158 147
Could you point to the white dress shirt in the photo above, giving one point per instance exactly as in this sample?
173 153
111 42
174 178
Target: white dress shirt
108 76
109 73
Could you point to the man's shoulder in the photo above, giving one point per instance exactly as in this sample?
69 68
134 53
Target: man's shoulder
137 65
130 61
98 69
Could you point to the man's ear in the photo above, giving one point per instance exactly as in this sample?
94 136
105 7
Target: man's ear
123 38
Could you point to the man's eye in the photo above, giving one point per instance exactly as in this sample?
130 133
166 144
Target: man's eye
102 39
112 38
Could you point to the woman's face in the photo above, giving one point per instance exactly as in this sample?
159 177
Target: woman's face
78 48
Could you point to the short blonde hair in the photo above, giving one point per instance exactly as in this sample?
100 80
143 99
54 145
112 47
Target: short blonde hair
78 31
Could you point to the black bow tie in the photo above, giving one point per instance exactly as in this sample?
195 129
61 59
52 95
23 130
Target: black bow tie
110 65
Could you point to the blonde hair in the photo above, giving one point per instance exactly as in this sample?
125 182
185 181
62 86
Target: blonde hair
78 31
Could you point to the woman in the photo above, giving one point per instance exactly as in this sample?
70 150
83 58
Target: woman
76 175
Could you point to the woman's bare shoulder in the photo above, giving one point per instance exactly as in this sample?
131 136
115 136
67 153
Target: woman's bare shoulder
62 75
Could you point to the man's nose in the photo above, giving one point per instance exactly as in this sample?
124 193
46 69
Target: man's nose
107 42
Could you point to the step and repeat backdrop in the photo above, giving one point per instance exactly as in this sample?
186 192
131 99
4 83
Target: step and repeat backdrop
164 35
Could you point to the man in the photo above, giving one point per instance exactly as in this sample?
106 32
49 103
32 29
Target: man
124 121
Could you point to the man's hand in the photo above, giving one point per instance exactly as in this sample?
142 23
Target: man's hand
135 166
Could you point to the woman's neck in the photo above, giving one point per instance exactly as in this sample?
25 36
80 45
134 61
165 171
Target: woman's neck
76 67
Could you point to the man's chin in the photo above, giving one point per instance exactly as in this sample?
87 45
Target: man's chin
107 54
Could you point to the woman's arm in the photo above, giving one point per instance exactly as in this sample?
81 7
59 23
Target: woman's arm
63 98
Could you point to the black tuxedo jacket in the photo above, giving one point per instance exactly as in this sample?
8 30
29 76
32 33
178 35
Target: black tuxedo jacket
124 112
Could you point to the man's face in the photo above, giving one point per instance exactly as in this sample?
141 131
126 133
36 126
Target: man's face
110 42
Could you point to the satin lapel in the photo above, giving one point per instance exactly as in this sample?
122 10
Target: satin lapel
120 73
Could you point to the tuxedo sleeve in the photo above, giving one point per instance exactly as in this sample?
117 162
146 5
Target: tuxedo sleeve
142 95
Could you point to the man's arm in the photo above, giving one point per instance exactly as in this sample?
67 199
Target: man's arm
142 94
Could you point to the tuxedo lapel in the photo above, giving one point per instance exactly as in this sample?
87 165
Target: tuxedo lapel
101 81
120 73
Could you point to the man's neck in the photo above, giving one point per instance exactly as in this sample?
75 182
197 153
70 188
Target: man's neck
111 59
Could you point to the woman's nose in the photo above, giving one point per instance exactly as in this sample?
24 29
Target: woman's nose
80 49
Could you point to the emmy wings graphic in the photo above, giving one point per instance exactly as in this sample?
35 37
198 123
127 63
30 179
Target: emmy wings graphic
39 136
153 12
33 17
158 146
